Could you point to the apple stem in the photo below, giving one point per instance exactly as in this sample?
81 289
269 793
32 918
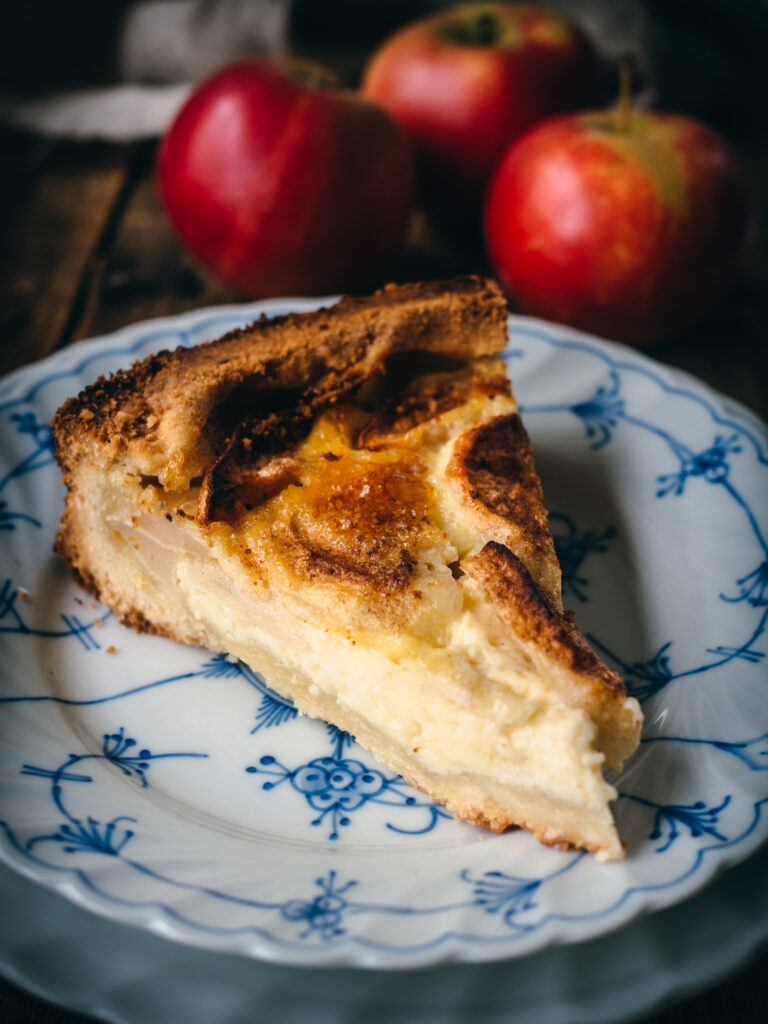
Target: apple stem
486 29
481 29
308 73
624 107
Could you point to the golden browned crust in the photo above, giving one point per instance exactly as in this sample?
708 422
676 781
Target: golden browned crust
67 546
158 409
428 398
493 471
553 641
533 616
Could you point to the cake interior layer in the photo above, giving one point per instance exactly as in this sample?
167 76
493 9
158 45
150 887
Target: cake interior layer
460 718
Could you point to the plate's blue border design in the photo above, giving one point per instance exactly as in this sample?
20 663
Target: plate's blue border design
602 414
326 917
74 834
669 819
572 546
40 456
753 752
338 786
320 917
323 917
12 621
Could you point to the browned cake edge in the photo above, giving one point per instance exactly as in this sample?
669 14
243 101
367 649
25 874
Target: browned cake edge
157 409
557 646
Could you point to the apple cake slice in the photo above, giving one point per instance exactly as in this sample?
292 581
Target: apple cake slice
346 500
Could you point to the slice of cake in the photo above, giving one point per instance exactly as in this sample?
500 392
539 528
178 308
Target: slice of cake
346 500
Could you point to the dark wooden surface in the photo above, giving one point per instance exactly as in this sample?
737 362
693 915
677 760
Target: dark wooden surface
85 249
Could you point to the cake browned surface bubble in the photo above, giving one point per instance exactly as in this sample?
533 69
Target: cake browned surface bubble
347 500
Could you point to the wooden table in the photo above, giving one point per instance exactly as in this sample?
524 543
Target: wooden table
85 249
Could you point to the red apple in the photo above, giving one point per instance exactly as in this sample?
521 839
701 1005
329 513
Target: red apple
632 227
467 81
280 183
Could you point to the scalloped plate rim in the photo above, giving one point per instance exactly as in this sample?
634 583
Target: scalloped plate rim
452 946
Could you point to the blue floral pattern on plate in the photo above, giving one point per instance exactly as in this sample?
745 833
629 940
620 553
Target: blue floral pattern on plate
174 789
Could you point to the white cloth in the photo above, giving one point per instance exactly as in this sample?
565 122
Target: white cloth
183 40
164 46
120 113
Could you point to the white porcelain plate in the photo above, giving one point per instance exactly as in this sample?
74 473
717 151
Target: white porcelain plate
166 787
127 976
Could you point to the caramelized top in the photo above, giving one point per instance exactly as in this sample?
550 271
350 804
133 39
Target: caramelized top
357 509
357 516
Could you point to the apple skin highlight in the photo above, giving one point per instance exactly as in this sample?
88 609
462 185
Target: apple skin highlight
632 232
467 81
283 187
